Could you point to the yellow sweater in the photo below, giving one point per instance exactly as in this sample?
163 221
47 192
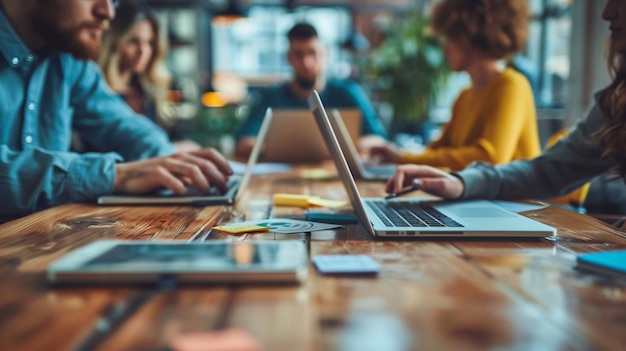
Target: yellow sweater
496 125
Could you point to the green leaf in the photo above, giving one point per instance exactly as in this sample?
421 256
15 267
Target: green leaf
409 68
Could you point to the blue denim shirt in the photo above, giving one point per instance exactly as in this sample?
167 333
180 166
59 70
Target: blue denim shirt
44 97
336 94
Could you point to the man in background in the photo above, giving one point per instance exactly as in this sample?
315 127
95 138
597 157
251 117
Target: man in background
307 57
48 85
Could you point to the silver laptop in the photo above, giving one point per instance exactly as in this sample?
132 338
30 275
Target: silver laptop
357 167
293 136
412 218
235 184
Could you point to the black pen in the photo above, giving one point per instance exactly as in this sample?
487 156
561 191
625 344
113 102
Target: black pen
415 185
115 315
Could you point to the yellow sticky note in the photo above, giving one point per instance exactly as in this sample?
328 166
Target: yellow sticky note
320 202
317 174
238 228
292 200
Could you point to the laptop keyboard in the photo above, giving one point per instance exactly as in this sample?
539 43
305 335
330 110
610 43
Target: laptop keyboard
410 214
231 186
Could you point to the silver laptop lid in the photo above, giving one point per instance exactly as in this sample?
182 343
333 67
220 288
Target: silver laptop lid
321 117
348 145
343 137
254 154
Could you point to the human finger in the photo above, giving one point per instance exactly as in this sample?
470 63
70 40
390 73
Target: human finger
184 168
435 181
166 179
216 158
397 178
405 174
446 187
209 170
139 178
380 153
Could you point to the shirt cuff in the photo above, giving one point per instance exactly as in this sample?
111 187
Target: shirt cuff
481 181
92 175
408 157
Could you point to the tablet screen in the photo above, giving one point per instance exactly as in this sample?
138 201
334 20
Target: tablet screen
186 257
138 262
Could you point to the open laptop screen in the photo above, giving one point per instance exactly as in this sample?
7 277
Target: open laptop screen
294 137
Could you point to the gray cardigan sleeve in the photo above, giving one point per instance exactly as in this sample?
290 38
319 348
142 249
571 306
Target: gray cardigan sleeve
569 164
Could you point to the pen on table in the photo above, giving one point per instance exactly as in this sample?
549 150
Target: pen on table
115 315
414 186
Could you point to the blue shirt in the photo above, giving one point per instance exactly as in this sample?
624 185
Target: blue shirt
336 94
42 98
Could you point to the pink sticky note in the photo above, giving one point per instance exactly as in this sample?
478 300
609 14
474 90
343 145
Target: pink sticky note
232 339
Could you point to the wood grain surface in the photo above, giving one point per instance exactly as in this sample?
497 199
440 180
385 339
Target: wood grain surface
472 294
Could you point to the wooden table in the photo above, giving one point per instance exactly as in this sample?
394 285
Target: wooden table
430 295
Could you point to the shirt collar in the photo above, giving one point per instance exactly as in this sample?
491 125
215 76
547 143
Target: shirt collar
13 48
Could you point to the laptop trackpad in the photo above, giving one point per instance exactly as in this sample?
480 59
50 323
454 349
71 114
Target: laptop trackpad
469 212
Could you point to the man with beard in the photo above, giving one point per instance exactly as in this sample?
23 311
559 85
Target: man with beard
307 57
48 87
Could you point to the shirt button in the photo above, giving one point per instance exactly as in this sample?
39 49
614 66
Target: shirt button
15 60
30 58
31 106
28 139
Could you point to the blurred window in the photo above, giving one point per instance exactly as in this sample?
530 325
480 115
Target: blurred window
257 44
548 51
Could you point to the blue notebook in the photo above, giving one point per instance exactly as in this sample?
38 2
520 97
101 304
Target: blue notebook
609 263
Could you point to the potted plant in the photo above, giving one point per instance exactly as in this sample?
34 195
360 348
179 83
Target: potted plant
408 70
212 127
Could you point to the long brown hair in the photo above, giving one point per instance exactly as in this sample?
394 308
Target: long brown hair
612 103
155 80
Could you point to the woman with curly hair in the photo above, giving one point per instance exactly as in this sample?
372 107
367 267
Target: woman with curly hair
493 120
595 145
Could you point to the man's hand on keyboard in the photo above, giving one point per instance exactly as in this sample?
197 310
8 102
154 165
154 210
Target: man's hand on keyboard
201 168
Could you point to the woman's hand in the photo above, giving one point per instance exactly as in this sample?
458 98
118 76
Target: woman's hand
431 180
385 154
